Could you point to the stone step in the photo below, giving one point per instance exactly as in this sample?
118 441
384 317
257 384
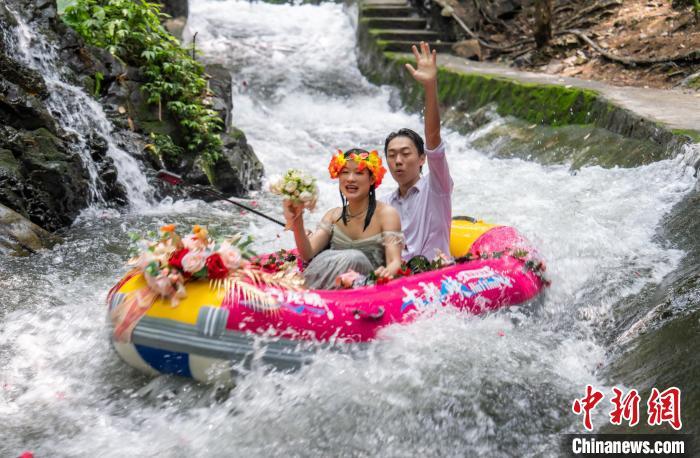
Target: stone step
405 35
405 46
388 11
414 23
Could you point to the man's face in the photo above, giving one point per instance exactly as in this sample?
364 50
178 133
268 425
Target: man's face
404 161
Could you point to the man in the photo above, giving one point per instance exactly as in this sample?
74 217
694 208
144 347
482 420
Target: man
424 202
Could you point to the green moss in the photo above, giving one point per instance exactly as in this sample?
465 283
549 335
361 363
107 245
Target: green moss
693 134
382 43
534 102
8 163
694 84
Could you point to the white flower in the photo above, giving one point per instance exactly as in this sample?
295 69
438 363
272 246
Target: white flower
192 242
305 196
143 260
276 184
194 261
307 180
290 186
164 249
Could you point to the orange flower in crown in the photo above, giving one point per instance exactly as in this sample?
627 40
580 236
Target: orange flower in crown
370 160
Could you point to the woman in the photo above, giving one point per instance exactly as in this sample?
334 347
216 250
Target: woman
364 235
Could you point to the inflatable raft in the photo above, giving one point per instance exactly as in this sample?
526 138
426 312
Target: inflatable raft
208 334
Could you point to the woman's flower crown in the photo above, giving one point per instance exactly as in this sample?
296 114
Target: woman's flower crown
370 160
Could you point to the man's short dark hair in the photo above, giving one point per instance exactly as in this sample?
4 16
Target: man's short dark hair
408 133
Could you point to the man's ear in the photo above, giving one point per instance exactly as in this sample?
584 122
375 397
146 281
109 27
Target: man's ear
422 159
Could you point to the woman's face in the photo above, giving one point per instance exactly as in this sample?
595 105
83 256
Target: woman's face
355 184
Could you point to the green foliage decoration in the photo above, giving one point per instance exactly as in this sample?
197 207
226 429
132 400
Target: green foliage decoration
131 30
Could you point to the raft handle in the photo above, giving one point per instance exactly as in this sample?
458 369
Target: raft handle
369 316
464 218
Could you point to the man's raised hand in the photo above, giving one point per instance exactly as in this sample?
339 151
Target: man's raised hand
426 62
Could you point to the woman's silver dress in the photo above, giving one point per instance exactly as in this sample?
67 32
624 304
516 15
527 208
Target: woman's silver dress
361 255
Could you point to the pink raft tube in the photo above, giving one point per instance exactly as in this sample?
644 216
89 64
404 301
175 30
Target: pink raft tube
207 336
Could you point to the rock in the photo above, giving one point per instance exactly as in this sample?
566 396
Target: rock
23 110
19 236
98 146
503 9
523 61
176 26
460 118
175 8
469 49
239 169
41 177
554 66
28 79
692 81
220 84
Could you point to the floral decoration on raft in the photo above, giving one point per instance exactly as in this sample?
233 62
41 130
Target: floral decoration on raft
297 186
231 267
420 264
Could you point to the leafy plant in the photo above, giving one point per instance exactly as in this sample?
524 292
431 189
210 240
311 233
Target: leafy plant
131 30
162 145
99 77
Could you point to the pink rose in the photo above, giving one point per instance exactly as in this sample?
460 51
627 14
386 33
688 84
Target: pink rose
194 261
347 280
230 255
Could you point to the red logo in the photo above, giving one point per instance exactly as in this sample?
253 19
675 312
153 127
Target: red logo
665 407
662 407
626 408
586 404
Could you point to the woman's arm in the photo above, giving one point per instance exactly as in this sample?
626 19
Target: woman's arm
308 246
391 222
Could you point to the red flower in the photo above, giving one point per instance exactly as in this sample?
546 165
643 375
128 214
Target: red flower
382 280
176 258
404 272
215 267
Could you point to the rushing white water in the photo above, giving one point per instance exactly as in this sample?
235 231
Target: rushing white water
453 385
79 114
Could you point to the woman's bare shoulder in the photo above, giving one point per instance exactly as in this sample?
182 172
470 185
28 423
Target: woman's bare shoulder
332 215
389 216
387 210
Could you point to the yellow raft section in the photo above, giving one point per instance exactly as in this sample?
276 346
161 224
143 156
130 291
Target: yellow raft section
464 233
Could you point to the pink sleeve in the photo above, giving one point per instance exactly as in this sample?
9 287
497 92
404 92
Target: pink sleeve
439 176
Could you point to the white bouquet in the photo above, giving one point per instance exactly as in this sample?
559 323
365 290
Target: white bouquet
296 185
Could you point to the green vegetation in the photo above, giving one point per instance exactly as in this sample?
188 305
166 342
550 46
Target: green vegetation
131 30
162 145
693 134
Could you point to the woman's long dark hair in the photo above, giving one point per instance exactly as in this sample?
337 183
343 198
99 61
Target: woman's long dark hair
372 196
